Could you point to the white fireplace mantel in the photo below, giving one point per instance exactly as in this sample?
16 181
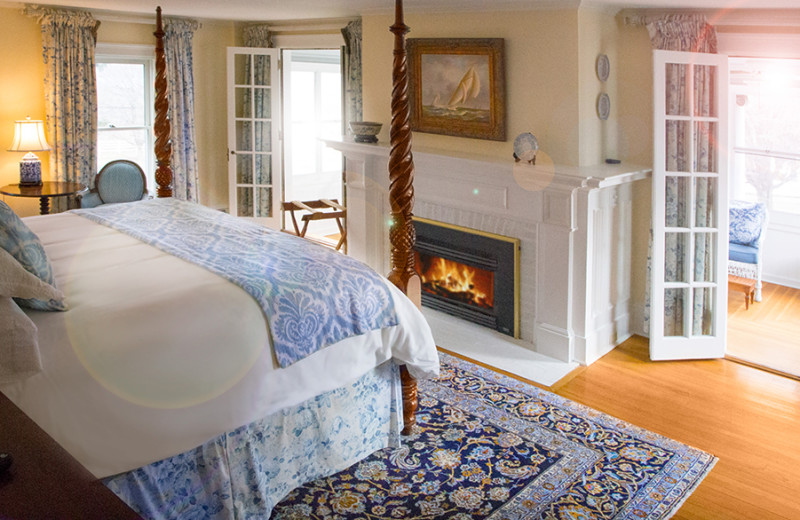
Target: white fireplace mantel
574 226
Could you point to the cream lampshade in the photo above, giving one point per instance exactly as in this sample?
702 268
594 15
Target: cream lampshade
29 137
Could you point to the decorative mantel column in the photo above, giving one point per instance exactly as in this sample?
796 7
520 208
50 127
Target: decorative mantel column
574 225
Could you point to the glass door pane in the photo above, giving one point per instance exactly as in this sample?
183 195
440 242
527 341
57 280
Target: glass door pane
252 136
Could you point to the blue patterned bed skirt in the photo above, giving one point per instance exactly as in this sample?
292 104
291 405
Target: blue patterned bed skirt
244 473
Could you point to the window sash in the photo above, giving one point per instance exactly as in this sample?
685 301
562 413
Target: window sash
138 55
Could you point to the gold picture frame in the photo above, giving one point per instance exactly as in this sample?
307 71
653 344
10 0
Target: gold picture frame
457 86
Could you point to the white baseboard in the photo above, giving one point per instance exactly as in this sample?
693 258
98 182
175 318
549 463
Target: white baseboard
786 282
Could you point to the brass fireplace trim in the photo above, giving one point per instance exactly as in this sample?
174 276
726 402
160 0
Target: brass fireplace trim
495 236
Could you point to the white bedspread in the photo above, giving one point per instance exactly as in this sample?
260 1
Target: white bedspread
156 355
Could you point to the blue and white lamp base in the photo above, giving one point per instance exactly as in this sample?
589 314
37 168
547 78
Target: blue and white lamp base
30 171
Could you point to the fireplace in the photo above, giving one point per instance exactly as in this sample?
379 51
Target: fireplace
469 274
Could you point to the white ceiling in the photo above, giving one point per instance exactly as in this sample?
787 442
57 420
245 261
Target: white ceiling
274 10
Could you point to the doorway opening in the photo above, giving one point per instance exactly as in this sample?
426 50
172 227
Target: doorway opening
764 110
312 110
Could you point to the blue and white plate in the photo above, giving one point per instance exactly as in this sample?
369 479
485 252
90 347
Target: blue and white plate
603 106
525 147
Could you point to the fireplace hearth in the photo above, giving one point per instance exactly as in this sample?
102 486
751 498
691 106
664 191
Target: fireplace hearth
469 274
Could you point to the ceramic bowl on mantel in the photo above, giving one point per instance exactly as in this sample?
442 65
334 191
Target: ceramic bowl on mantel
365 131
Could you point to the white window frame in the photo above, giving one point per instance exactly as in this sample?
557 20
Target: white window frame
138 54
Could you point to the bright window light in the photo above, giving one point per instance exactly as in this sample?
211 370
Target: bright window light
765 108
124 112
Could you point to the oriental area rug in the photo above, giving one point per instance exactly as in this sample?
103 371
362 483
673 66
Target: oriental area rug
487 446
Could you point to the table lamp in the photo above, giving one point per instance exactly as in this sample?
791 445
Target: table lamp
29 137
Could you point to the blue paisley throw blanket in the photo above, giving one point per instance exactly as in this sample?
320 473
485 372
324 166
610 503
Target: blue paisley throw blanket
312 297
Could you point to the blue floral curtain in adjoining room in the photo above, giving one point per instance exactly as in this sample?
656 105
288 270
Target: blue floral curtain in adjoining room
352 72
70 91
180 92
686 33
257 36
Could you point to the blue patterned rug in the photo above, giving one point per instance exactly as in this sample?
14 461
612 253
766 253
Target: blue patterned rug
490 447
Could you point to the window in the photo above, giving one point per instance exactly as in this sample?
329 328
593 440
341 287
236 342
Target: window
125 107
765 108
313 111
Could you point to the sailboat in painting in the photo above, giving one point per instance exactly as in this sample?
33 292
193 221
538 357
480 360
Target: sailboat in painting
457 106
468 88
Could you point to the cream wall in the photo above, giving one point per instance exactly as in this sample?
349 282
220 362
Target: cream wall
22 93
597 34
635 122
541 64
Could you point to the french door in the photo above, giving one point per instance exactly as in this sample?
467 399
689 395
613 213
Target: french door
254 166
690 212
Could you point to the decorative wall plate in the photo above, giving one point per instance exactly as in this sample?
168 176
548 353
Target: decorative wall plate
603 67
525 147
603 106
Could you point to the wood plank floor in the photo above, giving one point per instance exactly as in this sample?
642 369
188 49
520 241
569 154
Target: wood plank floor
748 418
768 333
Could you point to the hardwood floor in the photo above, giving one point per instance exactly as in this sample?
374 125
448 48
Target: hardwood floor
768 333
748 418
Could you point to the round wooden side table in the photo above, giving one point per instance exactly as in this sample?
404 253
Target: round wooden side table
44 191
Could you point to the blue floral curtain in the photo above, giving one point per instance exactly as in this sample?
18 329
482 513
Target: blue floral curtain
257 36
70 91
352 72
180 92
686 33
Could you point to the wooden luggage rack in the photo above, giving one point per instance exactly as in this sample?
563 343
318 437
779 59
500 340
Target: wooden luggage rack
321 209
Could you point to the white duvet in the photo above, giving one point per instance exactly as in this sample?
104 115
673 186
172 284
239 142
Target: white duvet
156 355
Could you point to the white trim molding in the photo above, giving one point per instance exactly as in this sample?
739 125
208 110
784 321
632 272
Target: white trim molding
574 225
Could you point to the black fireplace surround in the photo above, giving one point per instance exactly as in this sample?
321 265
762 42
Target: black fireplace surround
494 253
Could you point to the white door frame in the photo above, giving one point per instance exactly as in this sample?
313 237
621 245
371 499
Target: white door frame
689 345
247 124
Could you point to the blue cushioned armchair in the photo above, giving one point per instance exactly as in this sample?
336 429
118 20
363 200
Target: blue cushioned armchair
747 227
117 181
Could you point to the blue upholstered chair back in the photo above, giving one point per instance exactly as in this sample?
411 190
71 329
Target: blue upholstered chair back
117 181
746 231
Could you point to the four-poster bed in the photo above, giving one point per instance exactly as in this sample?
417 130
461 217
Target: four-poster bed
401 176
168 378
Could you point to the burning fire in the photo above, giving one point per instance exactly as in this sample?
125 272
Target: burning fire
458 281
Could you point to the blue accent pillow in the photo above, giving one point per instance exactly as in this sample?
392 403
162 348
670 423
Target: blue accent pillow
746 219
25 247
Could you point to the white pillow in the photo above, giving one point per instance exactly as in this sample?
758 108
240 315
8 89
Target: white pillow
18 282
19 350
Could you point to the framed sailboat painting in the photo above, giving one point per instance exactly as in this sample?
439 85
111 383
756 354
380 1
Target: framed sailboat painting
457 86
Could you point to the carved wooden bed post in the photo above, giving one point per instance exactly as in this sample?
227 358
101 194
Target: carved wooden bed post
163 146
401 198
